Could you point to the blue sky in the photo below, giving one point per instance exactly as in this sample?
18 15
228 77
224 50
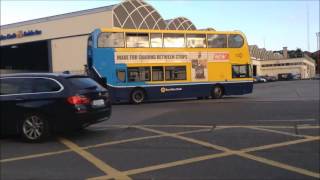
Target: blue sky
269 24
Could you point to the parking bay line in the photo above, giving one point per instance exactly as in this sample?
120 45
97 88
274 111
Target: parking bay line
220 155
242 154
96 145
94 160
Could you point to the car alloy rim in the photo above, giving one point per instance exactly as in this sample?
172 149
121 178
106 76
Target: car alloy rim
33 127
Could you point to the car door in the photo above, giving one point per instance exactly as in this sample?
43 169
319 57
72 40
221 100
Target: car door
12 91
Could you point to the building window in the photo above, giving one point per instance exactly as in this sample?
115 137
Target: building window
137 74
235 41
137 40
157 73
241 71
176 73
111 40
156 40
174 40
196 41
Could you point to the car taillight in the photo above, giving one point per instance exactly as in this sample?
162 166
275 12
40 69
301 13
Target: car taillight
78 100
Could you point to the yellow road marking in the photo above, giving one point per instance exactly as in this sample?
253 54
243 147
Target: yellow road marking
96 145
95 161
218 126
239 153
168 165
279 132
280 165
287 143
141 138
33 156
206 144
214 156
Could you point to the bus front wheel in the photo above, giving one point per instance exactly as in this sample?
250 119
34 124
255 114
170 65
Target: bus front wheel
137 96
217 92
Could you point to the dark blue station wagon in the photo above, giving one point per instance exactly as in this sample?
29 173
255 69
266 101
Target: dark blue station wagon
35 105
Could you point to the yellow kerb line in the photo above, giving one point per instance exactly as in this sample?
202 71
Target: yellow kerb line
241 153
95 161
96 145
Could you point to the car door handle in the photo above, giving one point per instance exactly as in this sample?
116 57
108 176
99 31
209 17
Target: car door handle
19 99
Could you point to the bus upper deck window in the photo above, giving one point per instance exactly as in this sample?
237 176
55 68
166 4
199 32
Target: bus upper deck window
111 40
196 41
156 40
137 40
174 41
217 40
235 41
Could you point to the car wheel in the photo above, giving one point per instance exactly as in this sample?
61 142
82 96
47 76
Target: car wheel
137 96
34 128
217 92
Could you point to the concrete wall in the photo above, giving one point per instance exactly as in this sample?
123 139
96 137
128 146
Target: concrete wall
69 26
69 54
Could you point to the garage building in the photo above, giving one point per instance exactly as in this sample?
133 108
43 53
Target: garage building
58 43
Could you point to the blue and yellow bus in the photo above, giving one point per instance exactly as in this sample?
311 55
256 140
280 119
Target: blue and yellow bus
144 65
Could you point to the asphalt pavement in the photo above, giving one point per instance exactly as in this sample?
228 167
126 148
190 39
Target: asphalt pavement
272 133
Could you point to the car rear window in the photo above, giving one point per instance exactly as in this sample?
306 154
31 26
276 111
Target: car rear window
84 83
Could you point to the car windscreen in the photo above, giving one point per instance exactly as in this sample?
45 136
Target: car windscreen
84 83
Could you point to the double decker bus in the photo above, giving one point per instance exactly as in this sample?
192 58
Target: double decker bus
142 65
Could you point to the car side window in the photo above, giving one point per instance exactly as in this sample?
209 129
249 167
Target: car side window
45 85
27 85
8 87
15 86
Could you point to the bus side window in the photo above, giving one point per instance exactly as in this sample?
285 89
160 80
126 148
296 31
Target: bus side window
196 41
176 73
156 40
157 73
121 75
235 41
174 41
241 71
137 40
136 74
217 41
111 40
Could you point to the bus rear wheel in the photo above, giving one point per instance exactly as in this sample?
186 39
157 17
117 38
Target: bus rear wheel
137 96
217 92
